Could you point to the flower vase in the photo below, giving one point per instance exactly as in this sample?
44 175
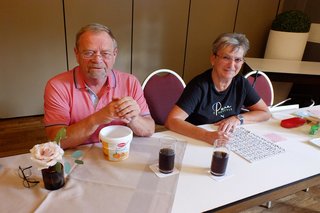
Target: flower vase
53 177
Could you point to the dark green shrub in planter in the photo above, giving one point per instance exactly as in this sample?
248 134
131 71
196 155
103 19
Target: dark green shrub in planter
291 21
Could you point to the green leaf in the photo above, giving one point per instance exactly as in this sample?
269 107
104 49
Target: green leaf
67 167
79 161
58 167
61 134
77 154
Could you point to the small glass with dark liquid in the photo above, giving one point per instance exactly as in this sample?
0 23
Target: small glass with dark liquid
53 177
167 155
220 157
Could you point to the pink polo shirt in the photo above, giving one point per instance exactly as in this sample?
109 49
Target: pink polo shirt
67 100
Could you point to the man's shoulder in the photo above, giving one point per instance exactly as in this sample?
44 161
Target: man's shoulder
66 75
124 76
61 80
121 73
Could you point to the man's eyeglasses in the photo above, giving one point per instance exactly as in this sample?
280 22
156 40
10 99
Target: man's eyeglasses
25 174
228 59
90 54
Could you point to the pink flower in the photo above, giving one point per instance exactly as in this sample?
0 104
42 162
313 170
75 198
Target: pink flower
46 154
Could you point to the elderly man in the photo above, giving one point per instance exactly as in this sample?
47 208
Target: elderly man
93 95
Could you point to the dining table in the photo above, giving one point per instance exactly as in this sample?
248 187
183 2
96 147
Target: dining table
135 185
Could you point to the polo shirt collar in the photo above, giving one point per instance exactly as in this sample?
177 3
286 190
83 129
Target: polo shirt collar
81 84
112 79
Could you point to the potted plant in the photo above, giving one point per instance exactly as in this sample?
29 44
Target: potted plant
288 36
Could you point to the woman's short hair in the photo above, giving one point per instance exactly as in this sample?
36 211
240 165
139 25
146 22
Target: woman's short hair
95 27
235 40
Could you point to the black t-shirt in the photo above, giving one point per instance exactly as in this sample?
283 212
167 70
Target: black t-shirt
205 105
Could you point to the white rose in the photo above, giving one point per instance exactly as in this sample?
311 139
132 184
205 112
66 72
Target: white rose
46 154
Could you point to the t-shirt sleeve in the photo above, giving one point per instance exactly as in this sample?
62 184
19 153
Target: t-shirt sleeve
190 97
56 106
252 96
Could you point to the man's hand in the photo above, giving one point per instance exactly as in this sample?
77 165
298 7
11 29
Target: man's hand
126 109
109 112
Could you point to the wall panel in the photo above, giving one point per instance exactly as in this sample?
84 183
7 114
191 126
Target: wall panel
208 19
114 14
159 35
254 18
32 51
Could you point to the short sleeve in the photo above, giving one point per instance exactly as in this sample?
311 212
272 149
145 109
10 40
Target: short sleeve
56 106
190 97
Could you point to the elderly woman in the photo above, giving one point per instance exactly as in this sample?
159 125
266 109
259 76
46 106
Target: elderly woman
217 95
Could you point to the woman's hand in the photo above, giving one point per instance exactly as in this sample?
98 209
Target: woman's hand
212 136
228 125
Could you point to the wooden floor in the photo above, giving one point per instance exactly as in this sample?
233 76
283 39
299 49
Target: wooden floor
18 135
300 202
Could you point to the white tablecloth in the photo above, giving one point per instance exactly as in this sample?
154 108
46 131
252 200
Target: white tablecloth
96 186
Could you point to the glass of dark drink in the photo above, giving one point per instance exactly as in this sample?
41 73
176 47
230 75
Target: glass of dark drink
220 157
167 154
53 177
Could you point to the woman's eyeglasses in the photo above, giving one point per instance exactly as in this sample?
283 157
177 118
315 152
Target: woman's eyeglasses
228 59
25 174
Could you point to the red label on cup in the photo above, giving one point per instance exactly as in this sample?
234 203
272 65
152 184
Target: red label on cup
121 144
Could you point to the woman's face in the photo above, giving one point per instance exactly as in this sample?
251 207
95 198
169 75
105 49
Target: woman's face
227 62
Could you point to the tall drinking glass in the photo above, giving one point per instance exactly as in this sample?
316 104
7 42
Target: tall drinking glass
220 157
167 154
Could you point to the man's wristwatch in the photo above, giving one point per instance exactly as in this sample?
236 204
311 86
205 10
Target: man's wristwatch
241 119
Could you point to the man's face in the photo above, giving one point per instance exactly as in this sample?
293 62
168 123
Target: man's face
227 62
95 54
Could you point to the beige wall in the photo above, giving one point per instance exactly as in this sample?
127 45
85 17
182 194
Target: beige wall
32 50
115 14
159 35
37 38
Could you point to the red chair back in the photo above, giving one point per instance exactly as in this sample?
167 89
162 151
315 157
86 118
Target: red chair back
262 84
162 90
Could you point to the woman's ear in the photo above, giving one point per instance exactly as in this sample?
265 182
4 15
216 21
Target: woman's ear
212 59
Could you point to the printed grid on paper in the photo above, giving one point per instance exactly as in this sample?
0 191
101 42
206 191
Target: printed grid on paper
253 147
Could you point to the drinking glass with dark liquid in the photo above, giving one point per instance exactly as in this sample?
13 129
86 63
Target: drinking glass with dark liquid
220 157
167 155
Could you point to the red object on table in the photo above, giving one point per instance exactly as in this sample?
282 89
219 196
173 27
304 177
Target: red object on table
292 122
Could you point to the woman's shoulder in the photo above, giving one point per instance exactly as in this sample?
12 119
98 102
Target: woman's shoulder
239 79
202 78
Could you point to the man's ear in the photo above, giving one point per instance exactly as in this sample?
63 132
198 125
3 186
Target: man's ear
115 52
76 53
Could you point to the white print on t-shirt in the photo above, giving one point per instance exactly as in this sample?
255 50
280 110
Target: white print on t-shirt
219 110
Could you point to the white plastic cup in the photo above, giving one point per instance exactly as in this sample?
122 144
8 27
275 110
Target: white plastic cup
116 141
